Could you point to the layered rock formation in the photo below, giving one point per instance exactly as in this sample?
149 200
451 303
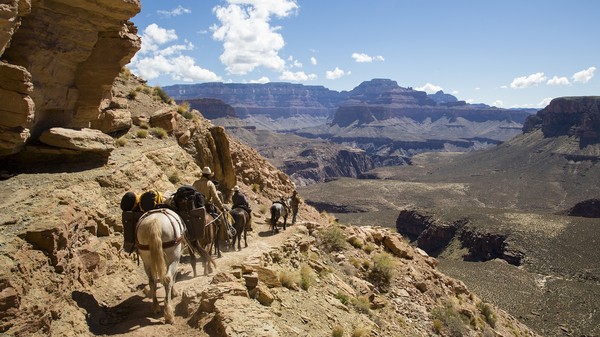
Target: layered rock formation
569 116
59 60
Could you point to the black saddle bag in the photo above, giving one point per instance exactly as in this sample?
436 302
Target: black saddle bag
190 206
130 220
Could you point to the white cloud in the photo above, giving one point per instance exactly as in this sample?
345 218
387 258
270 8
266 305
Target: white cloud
335 74
261 80
364 58
174 12
584 76
477 88
470 101
298 76
249 41
527 81
498 103
455 92
154 36
558 81
294 63
504 87
158 58
545 102
313 61
429 88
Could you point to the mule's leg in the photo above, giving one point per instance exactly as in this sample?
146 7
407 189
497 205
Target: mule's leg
193 257
168 283
152 285
245 238
284 222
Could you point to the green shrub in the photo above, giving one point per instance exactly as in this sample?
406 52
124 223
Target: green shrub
121 142
147 90
383 270
183 108
142 133
487 312
159 133
188 115
144 125
369 247
333 238
361 331
125 73
255 187
132 95
307 276
448 321
158 91
343 298
288 279
337 331
356 242
361 304
174 177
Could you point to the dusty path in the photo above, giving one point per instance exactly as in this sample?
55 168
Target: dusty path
127 313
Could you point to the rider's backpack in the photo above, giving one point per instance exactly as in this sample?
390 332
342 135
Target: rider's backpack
150 200
190 206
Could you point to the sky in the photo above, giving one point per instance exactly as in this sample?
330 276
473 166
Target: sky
509 54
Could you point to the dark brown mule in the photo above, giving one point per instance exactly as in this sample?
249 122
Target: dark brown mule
278 209
205 245
241 223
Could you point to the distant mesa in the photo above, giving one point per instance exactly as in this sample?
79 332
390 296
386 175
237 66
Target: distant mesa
569 116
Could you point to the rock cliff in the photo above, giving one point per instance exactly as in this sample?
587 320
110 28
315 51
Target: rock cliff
569 116
59 60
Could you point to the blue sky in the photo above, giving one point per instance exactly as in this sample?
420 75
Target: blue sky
513 53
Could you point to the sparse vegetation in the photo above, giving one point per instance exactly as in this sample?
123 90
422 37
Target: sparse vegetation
144 125
188 115
263 209
255 188
174 177
132 95
448 321
361 304
487 312
159 133
125 73
356 242
337 331
289 279
183 108
361 331
162 95
142 133
369 247
307 276
332 238
383 270
120 142
345 299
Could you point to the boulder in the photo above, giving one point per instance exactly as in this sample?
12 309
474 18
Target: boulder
85 140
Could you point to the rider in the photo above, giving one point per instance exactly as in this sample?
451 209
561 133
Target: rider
239 200
294 203
205 186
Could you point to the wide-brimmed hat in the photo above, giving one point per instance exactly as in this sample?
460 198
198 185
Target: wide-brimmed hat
207 171
236 188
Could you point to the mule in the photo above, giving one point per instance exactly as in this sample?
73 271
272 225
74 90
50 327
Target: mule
206 244
160 234
241 222
278 209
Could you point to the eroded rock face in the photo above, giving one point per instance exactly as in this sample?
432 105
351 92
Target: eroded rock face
60 58
569 116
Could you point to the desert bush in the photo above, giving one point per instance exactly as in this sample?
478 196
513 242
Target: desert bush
158 91
361 331
142 133
383 269
288 279
356 242
174 177
121 142
147 90
144 125
255 187
333 238
337 331
361 304
487 312
125 73
307 276
343 298
183 108
188 115
132 94
369 247
448 321
159 133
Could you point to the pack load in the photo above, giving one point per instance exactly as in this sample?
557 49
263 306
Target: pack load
130 205
189 204
150 200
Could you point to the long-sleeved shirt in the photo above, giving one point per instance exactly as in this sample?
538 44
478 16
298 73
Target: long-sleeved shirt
208 189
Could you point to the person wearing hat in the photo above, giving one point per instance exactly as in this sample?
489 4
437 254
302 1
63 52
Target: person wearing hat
205 186
294 203
239 200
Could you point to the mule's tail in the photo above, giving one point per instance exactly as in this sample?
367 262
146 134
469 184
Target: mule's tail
158 267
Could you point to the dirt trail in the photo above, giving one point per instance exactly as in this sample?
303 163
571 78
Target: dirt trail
111 313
